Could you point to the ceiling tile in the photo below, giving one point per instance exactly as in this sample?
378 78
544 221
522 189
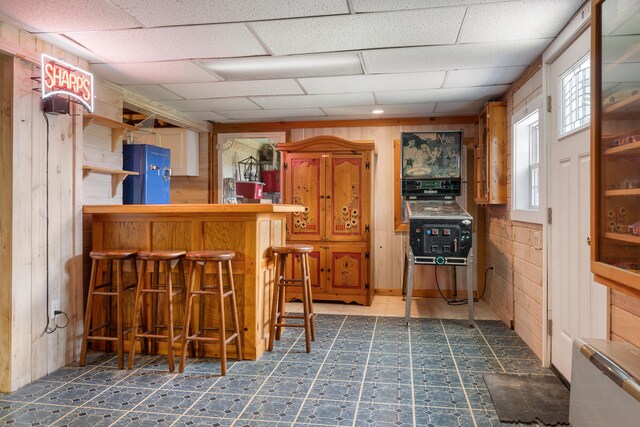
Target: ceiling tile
374 83
152 72
275 114
440 95
384 5
483 76
212 104
153 92
306 101
153 13
362 31
516 20
209 115
279 67
429 58
462 107
235 89
144 45
389 110
65 15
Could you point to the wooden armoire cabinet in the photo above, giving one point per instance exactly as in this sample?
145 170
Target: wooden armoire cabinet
332 178
491 155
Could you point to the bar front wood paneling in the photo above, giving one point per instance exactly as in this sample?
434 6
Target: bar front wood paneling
249 230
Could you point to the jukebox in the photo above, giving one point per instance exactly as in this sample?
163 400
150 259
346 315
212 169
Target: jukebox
440 230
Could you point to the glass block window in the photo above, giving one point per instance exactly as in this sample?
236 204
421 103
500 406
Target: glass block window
576 95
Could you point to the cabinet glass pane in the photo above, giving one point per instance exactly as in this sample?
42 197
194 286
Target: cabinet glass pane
620 140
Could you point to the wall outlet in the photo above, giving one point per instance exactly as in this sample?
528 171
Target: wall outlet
55 306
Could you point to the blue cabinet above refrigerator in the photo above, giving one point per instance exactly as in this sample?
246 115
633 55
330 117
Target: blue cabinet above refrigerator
153 184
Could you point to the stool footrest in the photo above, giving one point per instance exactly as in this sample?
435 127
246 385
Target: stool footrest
161 291
105 293
157 336
292 325
205 292
99 338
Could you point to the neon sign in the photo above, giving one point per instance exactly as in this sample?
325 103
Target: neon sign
60 78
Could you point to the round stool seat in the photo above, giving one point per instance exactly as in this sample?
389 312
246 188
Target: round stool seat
292 249
210 255
161 255
113 253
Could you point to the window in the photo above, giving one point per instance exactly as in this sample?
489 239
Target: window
575 96
526 182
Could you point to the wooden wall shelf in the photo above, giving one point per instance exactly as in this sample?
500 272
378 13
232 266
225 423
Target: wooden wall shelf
117 128
117 175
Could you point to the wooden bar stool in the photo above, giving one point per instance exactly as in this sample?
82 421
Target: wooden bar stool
217 290
155 290
278 315
114 292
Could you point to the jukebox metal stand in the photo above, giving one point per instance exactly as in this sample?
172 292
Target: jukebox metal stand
439 234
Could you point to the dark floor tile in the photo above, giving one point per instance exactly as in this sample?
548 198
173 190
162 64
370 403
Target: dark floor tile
111 360
296 370
149 379
489 418
355 335
505 341
471 350
390 393
83 417
520 352
391 347
102 376
377 414
189 421
334 371
72 394
241 384
208 366
220 405
433 361
419 348
443 417
336 390
159 363
286 387
169 402
444 397
36 414
276 409
479 398
401 360
124 398
524 366
67 373
352 346
30 392
260 423
314 357
435 377
388 374
327 412
259 367
142 419
8 407
194 381
478 364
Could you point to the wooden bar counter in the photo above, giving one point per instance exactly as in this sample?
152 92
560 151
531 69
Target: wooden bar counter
248 229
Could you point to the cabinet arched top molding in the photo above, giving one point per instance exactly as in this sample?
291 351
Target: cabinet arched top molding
324 143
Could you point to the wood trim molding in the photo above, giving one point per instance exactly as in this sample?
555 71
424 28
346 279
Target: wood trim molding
420 293
283 126
323 143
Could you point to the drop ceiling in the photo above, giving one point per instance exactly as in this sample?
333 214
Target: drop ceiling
233 61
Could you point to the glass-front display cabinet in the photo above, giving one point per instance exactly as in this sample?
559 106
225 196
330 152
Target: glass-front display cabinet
615 144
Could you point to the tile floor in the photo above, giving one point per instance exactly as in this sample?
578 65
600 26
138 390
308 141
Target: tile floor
363 371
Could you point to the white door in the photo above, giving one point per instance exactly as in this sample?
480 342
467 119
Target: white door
578 304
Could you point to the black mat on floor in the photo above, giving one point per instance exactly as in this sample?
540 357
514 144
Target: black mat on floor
529 398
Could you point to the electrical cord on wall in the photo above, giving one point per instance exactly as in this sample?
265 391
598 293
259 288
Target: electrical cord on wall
463 301
48 329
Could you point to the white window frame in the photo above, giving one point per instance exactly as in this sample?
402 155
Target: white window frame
562 133
521 209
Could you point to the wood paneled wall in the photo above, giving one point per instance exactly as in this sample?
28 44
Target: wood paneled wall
625 318
514 287
388 245
30 353
194 189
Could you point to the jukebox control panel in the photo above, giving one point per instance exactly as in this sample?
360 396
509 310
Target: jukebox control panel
440 242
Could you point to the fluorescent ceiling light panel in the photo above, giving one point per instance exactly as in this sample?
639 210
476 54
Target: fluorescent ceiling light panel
483 76
469 56
374 83
153 13
308 101
440 95
170 43
279 67
152 72
398 109
516 20
361 31
235 89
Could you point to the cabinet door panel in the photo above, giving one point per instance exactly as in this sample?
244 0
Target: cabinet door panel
316 269
348 192
347 268
305 186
